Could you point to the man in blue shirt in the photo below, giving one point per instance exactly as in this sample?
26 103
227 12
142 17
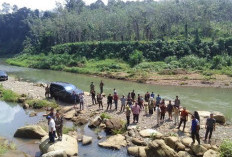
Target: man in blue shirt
158 99
152 95
195 129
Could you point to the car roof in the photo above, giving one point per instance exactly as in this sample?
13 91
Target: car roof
2 72
65 84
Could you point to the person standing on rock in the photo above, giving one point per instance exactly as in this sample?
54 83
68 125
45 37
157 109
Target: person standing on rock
93 95
116 101
170 109
101 87
136 111
129 101
59 125
210 127
147 96
133 95
99 100
128 113
158 112
109 101
195 129
196 115
52 129
92 87
151 105
74 99
81 98
176 114
177 102
152 95
183 118
163 110
123 103
158 99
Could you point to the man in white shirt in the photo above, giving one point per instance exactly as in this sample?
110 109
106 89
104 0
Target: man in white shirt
52 129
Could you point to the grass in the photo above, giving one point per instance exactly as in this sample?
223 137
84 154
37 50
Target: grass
38 104
153 136
225 148
122 130
8 95
105 116
6 146
66 130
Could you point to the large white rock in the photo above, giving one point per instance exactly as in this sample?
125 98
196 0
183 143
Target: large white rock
86 140
114 142
30 131
68 144
184 154
138 151
211 153
70 114
57 153
187 141
149 132
198 150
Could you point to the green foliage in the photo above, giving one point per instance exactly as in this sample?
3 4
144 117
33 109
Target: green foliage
105 116
122 130
192 61
66 130
136 57
8 95
225 148
153 136
6 146
38 104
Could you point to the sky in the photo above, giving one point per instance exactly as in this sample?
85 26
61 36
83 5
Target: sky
40 4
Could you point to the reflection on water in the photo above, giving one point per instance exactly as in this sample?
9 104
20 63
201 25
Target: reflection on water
11 112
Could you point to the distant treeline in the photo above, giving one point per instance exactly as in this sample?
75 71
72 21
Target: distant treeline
163 23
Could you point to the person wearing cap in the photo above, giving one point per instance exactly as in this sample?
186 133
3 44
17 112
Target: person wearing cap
123 103
128 113
52 129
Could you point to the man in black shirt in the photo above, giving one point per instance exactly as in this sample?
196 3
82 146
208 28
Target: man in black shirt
210 127
109 101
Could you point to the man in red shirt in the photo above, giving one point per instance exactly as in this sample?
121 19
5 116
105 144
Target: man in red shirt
183 118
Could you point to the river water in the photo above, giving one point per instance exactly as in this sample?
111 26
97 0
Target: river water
194 98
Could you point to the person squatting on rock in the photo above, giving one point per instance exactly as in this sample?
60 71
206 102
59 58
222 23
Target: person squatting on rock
195 129
59 125
210 127
52 129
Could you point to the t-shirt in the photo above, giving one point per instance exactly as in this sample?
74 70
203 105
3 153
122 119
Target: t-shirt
133 95
195 123
59 121
177 102
136 109
158 110
81 97
115 97
184 114
158 99
210 122
152 95
170 107
163 108
51 125
109 98
123 101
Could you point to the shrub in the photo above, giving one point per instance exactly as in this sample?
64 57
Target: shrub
66 130
105 116
225 148
8 95
136 57
122 130
38 104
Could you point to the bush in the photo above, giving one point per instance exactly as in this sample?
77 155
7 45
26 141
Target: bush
225 148
38 104
136 57
192 61
105 116
8 95
66 130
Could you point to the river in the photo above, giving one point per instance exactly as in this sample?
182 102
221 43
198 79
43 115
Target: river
194 98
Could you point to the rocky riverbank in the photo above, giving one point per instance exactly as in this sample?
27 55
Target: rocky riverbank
139 136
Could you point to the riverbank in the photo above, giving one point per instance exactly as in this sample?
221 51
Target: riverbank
157 73
91 111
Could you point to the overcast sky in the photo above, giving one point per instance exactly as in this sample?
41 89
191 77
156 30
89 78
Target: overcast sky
40 4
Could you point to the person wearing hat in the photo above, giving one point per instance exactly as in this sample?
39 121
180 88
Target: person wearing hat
128 113
52 129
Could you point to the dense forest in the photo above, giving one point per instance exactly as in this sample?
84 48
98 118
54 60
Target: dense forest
182 33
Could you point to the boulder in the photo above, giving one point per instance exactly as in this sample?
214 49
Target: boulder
68 144
25 106
204 114
32 114
57 153
15 153
113 124
219 117
179 146
171 141
21 100
102 125
187 141
69 115
114 142
86 140
66 109
184 154
211 153
131 133
198 150
95 122
80 120
150 132
160 149
137 151
30 131
138 142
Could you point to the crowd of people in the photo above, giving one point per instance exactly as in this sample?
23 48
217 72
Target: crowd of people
133 105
